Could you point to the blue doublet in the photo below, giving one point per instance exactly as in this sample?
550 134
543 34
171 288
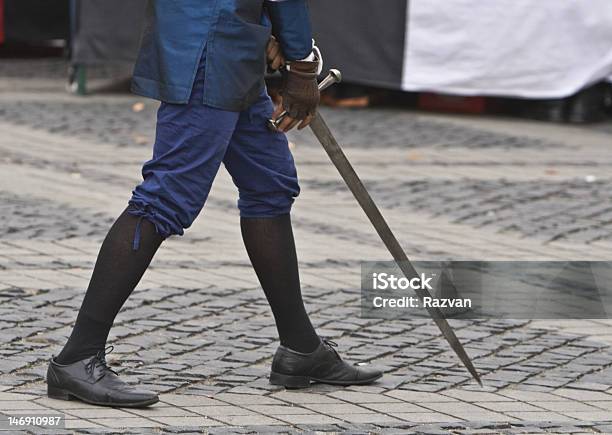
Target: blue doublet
234 33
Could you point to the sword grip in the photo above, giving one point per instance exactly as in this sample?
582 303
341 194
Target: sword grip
332 78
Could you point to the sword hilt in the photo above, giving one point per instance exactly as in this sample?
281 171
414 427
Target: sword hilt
334 76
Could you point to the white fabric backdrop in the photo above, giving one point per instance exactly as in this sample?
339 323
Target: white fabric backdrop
520 48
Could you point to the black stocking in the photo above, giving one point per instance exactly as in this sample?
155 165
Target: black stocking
271 248
117 272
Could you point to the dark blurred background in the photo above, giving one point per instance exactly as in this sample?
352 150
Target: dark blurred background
369 40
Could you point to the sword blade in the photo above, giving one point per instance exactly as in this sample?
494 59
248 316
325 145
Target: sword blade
354 183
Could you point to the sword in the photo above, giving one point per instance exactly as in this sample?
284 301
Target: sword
354 183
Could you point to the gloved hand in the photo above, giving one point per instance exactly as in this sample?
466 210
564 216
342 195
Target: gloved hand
274 54
300 94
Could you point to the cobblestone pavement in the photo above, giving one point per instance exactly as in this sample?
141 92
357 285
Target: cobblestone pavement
198 329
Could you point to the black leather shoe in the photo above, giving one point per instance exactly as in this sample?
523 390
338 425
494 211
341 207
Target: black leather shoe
297 370
93 381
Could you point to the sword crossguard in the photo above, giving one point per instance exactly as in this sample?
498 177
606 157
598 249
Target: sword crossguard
334 76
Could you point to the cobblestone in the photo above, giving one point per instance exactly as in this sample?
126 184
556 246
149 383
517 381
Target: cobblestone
198 329
567 210
573 209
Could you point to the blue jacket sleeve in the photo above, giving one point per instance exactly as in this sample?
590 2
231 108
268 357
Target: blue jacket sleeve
291 26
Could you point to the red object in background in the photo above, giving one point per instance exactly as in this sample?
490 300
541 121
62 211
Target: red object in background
452 103
1 21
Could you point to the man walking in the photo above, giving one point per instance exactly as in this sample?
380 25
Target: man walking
205 61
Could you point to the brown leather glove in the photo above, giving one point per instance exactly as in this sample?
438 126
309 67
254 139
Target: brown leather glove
274 54
300 89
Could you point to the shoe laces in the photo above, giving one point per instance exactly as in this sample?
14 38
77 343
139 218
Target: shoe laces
99 360
332 345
